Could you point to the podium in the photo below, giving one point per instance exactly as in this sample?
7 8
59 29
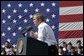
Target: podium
30 46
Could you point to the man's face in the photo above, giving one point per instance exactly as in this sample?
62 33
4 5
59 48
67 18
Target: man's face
69 47
65 45
78 44
6 44
72 50
35 21
60 50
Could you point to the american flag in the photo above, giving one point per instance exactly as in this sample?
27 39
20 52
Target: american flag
71 21
64 17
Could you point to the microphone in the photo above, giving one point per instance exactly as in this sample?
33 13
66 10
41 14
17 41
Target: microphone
27 30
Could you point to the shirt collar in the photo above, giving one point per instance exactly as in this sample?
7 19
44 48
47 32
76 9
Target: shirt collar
40 24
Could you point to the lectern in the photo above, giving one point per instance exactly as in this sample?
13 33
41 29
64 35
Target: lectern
30 46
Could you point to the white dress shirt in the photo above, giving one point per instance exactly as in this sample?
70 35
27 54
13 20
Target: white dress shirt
46 34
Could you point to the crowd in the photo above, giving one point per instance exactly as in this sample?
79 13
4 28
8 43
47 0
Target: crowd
8 49
69 49
65 49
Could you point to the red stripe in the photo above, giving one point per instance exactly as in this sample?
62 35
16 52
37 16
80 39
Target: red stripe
70 34
70 3
71 18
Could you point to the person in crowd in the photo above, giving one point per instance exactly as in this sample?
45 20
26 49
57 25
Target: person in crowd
69 46
60 51
73 51
8 48
65 47
3 52
80 51
78 44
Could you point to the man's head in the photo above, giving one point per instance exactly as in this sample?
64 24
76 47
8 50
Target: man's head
6 44
73 49
78 43
64 44
69 46
38 18
60 50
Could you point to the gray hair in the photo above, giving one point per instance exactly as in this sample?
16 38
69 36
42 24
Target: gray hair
39 16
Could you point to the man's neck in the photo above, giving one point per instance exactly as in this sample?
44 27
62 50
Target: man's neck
39 24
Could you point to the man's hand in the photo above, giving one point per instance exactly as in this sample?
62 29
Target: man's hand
33 34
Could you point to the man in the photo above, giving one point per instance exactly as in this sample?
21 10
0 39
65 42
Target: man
8 48
78 43
60 51
45 33
80 51
73 51
65 48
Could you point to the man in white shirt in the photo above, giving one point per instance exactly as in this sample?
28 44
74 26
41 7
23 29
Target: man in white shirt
45 33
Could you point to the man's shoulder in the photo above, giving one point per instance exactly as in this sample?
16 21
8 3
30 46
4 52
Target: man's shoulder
44 25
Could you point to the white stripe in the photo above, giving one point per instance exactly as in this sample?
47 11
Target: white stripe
72 40
71 10
70 26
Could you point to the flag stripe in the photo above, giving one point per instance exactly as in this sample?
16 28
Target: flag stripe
71 10
70 34
72 40
71 18
70 26
70 3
